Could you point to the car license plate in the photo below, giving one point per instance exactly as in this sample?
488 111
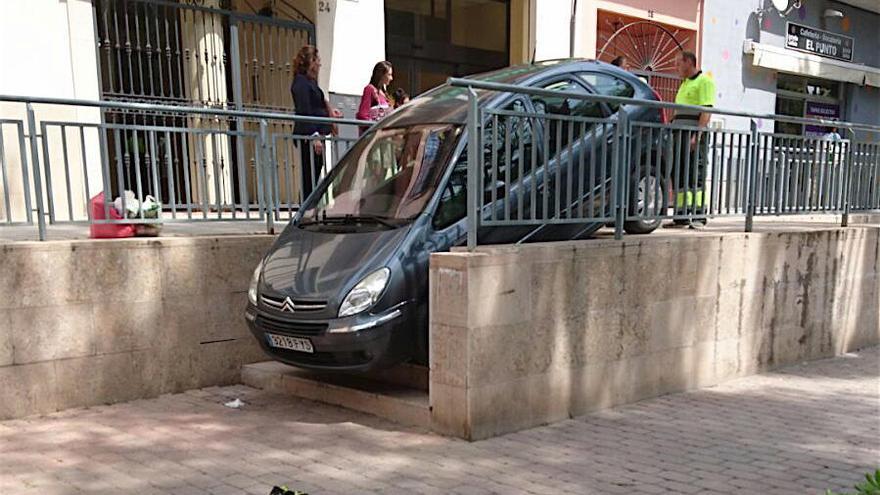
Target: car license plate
291 343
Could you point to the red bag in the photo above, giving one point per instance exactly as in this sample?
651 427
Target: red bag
107 230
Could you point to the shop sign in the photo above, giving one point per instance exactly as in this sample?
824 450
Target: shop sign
817 110
818 42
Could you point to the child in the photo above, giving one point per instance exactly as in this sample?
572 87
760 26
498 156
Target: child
400 98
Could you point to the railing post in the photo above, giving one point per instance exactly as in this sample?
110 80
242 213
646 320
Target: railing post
267 163
473 164
620 172
752 170
235 57
850 163
35 162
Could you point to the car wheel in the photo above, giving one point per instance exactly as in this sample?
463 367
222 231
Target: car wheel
647 198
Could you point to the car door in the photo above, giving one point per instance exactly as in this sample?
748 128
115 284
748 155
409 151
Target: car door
574 176
646 145
510 145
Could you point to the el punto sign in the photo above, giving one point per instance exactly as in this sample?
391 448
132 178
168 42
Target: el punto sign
818 42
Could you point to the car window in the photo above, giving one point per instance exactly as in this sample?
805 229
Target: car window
567 106
561 133
507 146
608 85
499 130
453 199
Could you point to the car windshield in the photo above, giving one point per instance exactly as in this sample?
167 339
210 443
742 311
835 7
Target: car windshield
390 174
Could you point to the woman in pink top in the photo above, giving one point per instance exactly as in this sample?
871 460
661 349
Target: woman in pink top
374 102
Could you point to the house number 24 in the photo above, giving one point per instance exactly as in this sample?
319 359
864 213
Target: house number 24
324 6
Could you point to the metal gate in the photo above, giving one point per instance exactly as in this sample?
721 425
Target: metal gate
162 51
158 51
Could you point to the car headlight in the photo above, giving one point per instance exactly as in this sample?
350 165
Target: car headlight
255 279
365 293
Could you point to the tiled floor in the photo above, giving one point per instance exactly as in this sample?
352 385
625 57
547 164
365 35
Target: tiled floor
797 431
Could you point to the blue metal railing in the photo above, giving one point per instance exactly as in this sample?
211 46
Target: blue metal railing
549 166
199 164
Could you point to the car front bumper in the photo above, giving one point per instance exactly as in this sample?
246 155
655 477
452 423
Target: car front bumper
354 344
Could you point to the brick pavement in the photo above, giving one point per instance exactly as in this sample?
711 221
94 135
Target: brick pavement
798 431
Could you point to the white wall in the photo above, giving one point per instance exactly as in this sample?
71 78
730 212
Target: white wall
351 39
552 26
47 49
740 86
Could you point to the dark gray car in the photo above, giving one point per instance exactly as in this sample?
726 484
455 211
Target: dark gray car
345 286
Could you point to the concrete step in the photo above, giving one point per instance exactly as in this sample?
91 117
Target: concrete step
399 395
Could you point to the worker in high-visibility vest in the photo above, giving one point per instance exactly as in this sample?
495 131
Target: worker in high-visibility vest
690 147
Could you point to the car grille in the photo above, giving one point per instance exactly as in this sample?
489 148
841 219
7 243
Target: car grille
290 327
289 305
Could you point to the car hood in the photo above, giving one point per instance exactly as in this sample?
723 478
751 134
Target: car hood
314 265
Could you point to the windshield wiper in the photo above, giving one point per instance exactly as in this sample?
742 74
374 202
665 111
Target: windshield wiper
384 221
350 219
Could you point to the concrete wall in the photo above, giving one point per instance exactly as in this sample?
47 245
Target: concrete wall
527 335
92 322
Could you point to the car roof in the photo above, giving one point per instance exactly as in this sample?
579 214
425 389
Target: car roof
447 104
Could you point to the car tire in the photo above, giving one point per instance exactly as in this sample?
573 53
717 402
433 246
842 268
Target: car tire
648 190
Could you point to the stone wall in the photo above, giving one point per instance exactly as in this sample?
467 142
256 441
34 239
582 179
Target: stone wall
527 335
92 322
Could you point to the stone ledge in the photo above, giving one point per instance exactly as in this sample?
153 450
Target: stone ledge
380 398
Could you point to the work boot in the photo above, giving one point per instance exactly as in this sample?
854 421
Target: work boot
699 220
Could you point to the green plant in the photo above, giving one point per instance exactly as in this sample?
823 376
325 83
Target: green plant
283 490
869 487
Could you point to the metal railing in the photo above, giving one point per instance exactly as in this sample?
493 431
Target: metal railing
538 169
533 169
199 164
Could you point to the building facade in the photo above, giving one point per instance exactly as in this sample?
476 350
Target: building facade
762 63
240 52
816 58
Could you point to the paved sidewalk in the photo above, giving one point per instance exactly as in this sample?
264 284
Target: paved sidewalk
797 432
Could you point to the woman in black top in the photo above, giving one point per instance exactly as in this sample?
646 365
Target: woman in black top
308 99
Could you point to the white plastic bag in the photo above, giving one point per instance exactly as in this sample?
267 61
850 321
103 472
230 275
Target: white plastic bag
150 207
132 205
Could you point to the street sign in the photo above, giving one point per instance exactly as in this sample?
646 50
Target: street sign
818 42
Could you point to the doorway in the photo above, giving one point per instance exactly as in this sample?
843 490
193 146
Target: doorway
428 41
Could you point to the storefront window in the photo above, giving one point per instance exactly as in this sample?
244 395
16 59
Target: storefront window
798 96
793 107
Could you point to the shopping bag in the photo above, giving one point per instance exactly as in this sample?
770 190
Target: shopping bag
107 230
